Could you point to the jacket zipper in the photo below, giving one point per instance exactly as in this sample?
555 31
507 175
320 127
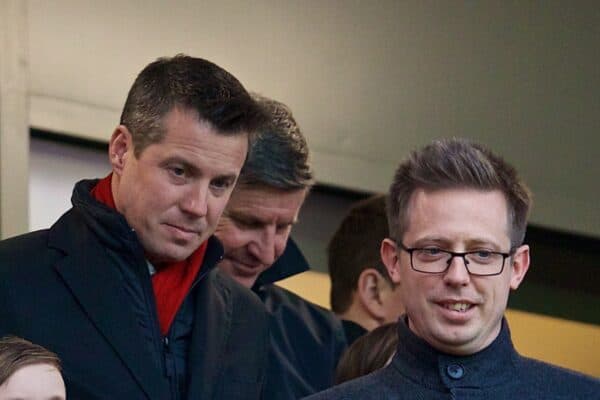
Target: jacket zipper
170 369
168 359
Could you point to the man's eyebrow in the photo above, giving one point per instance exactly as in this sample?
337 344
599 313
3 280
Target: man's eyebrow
244 217
427 240
232 176
446 242
180 160
194 170
484 242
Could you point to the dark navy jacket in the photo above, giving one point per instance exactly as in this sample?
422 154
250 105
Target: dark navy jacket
353 331
306 340
420 372
82 289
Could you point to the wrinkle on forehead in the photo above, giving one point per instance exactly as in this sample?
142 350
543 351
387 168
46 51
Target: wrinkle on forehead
266 205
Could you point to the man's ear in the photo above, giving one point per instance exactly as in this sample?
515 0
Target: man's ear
519 267
369 288
390 258
119 148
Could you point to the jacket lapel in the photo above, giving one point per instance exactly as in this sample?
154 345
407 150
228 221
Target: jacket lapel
291 262
94 281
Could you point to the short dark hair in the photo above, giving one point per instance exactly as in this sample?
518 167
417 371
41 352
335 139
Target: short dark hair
193 84
368 353
278 158
16 353
354 247
458 163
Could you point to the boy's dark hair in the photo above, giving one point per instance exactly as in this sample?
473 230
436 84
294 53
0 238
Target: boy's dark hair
354 247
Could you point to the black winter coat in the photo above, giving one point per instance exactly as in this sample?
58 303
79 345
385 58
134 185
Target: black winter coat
64 289
306 340
419 372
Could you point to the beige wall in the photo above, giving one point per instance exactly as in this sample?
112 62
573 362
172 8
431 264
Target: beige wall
368 81
570 344
14 134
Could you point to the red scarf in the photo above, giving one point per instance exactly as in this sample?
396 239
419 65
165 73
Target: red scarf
171 282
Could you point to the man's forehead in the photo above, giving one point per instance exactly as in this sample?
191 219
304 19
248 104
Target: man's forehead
198 144
263 202
484 213
180 114
261 192
423 197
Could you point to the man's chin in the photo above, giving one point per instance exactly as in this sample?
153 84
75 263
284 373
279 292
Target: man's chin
239 272
172 255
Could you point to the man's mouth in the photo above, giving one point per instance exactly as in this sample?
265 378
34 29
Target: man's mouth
245 264
460 307
189 230
244 268
183 231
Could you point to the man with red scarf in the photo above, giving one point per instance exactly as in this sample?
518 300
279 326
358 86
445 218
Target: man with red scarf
123 287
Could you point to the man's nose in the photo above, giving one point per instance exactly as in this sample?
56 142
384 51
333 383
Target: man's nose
195 200
265 249
457 272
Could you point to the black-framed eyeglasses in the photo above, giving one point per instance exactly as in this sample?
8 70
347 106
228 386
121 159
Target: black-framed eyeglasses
432 260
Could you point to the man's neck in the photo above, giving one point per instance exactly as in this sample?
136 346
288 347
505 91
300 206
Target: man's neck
360 316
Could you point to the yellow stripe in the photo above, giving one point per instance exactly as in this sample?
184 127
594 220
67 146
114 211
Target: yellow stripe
570 344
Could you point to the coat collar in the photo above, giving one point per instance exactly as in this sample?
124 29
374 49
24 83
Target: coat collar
420 362
291 262
109 226
95 281
352 330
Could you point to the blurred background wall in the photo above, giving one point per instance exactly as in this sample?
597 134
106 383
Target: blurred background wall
367 80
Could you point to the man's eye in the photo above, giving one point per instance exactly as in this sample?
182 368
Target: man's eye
282 228
482 255
431 251
430 254
246 224
221 184
177 171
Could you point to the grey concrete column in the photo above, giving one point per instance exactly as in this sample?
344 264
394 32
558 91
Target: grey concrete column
14 126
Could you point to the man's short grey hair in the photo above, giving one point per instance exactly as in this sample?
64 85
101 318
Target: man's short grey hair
278 157
454 164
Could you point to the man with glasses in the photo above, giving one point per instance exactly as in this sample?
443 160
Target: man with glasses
457 215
